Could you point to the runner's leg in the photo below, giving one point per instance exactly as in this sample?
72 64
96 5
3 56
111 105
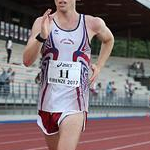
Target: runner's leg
70 131
52 141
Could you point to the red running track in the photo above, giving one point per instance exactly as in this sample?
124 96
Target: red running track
104 134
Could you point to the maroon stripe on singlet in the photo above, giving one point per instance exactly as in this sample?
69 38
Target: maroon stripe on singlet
78 97
45 80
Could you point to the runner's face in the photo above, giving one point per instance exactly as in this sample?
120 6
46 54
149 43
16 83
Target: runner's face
65 5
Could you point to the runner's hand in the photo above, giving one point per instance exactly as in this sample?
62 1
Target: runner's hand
45 24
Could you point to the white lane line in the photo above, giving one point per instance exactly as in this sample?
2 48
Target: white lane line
37 148
18 134
117 148
87 129
113 126
97 140
86 133
17 130
116 130
114 137
131 145
117 124
19 141
82 142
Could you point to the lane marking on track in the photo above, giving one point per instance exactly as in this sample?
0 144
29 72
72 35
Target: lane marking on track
38 148
88 127
82 142
19 141
17 129
116 130
114 137
86 133
19 134
130 145
113 126
117 148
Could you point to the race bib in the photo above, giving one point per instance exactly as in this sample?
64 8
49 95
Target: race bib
64 73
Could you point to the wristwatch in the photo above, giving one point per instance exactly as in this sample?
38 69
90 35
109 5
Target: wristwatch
40 39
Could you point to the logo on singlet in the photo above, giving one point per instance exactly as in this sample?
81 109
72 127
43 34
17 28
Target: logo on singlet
59 65
67 41
64 65
56 31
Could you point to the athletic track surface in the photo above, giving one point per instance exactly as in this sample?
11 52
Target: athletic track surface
100 134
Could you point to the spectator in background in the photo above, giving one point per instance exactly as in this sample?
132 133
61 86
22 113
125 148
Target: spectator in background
109 90
114 89
7 81
99 85
93 92
142 69
2 81
131 91
9 45
5 78
137 68
100 91
126 87
12 77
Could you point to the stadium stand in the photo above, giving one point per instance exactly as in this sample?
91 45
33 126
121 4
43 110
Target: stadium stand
23 89
116 69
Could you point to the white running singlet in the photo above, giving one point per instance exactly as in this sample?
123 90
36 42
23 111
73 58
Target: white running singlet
65 69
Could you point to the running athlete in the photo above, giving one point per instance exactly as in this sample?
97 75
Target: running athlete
63 38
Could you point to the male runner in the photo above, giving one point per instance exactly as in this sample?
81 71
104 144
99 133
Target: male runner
63 38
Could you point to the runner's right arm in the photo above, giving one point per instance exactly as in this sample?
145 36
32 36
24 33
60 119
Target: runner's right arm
33 46
41 26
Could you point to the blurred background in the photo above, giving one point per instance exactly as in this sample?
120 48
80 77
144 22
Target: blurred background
123 86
